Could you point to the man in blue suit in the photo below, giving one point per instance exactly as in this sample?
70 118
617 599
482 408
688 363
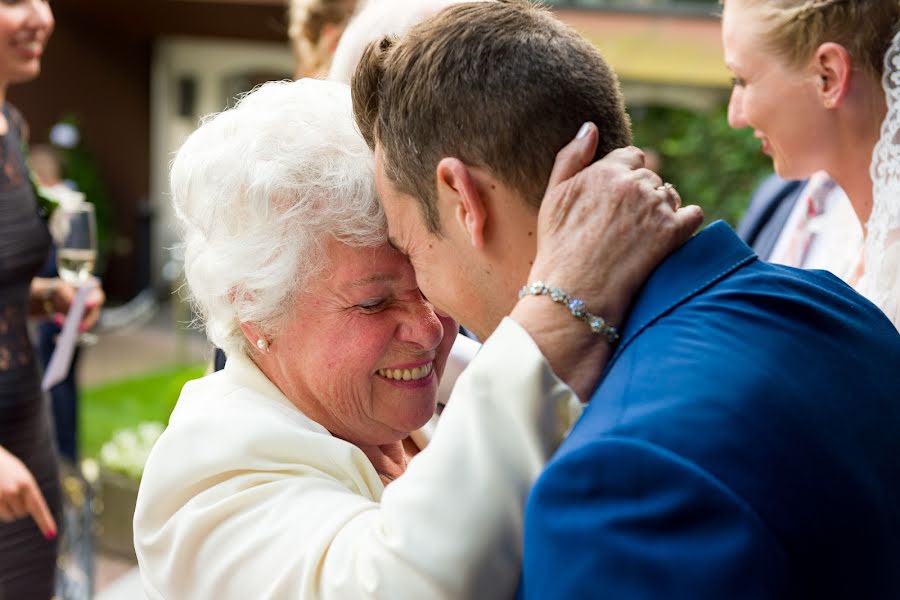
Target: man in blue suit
744 441
770 206
742 444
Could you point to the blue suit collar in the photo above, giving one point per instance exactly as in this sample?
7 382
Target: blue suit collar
708 257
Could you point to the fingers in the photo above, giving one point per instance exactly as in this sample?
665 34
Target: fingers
630 156
669 195
64 295
91 316
675 198
687 221
24 500
575 156
37 508
6 513
649 177
15 503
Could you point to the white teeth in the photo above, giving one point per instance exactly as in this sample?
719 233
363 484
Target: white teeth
407 374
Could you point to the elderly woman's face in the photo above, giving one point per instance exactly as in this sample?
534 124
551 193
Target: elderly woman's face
362 351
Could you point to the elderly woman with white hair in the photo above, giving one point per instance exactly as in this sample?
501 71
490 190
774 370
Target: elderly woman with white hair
375 20
312 465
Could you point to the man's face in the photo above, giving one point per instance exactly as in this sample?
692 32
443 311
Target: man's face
443 263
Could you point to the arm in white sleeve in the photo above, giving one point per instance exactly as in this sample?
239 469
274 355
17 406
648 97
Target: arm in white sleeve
461 354
450 527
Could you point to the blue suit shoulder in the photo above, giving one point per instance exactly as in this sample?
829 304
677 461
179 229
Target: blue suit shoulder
742 444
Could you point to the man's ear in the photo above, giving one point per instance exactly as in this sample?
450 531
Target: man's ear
461 201
833 67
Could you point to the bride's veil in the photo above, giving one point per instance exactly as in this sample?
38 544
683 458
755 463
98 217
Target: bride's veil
881 282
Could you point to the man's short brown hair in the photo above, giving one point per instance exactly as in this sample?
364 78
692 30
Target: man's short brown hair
499 85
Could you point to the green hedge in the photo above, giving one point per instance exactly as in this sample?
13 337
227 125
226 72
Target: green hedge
107 408
711 164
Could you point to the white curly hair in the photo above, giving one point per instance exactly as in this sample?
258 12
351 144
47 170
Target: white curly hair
375 20
256 190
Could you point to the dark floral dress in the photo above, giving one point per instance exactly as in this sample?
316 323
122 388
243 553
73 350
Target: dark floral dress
27 560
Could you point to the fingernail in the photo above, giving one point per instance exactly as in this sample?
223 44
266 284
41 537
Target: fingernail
58 319
50 535
82 328
585 129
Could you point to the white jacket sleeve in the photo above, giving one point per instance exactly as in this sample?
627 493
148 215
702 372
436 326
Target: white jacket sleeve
315 527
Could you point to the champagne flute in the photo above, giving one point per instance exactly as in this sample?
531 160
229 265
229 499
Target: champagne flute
76 247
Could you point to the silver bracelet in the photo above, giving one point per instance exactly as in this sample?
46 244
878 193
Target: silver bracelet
576 308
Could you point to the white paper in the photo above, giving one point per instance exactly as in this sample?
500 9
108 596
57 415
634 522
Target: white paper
65 342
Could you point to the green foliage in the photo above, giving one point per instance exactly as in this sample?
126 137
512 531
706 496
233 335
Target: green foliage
711 164
80 166
108 408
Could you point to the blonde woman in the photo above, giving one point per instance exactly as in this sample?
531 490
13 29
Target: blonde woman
817 81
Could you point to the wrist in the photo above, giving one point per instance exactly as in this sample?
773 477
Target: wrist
575 354
577 308
608 300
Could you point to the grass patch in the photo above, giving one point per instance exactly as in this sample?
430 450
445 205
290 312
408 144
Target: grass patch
112 406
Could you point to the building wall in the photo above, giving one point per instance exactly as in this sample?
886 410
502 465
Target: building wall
112 63
98 66
103 77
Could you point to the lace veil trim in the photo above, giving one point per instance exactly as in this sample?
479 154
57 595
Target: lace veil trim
881 283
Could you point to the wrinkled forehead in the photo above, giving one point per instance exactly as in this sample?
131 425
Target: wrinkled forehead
358 267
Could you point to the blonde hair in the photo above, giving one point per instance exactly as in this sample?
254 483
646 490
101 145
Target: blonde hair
797 27
306 19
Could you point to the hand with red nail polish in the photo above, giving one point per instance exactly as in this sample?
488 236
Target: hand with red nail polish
92 307
20 495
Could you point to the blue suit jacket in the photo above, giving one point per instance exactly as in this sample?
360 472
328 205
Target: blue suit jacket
769 209
744 443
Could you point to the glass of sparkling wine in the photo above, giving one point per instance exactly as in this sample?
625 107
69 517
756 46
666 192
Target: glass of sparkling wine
76 246
76 249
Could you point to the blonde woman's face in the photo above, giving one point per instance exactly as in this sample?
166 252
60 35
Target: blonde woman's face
780 103
25 27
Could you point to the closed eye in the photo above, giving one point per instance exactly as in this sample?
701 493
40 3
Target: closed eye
373 305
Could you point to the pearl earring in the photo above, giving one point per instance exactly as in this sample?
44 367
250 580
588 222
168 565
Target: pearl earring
829 102
263 345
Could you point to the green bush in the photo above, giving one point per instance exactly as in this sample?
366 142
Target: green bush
711 164
110 407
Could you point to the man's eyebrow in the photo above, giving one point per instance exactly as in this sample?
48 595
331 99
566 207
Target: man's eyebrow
374 278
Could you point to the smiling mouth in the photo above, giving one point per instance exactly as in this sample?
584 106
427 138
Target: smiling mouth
407 374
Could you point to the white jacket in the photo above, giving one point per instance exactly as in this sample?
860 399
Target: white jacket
245 497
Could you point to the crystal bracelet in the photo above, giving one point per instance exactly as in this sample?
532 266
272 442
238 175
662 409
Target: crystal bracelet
576 307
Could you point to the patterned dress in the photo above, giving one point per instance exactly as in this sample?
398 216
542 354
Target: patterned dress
27 560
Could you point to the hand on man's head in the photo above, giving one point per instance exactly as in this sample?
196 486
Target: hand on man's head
604 227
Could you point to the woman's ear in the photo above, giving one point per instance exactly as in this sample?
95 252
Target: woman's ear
257 340
833 67
460 202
